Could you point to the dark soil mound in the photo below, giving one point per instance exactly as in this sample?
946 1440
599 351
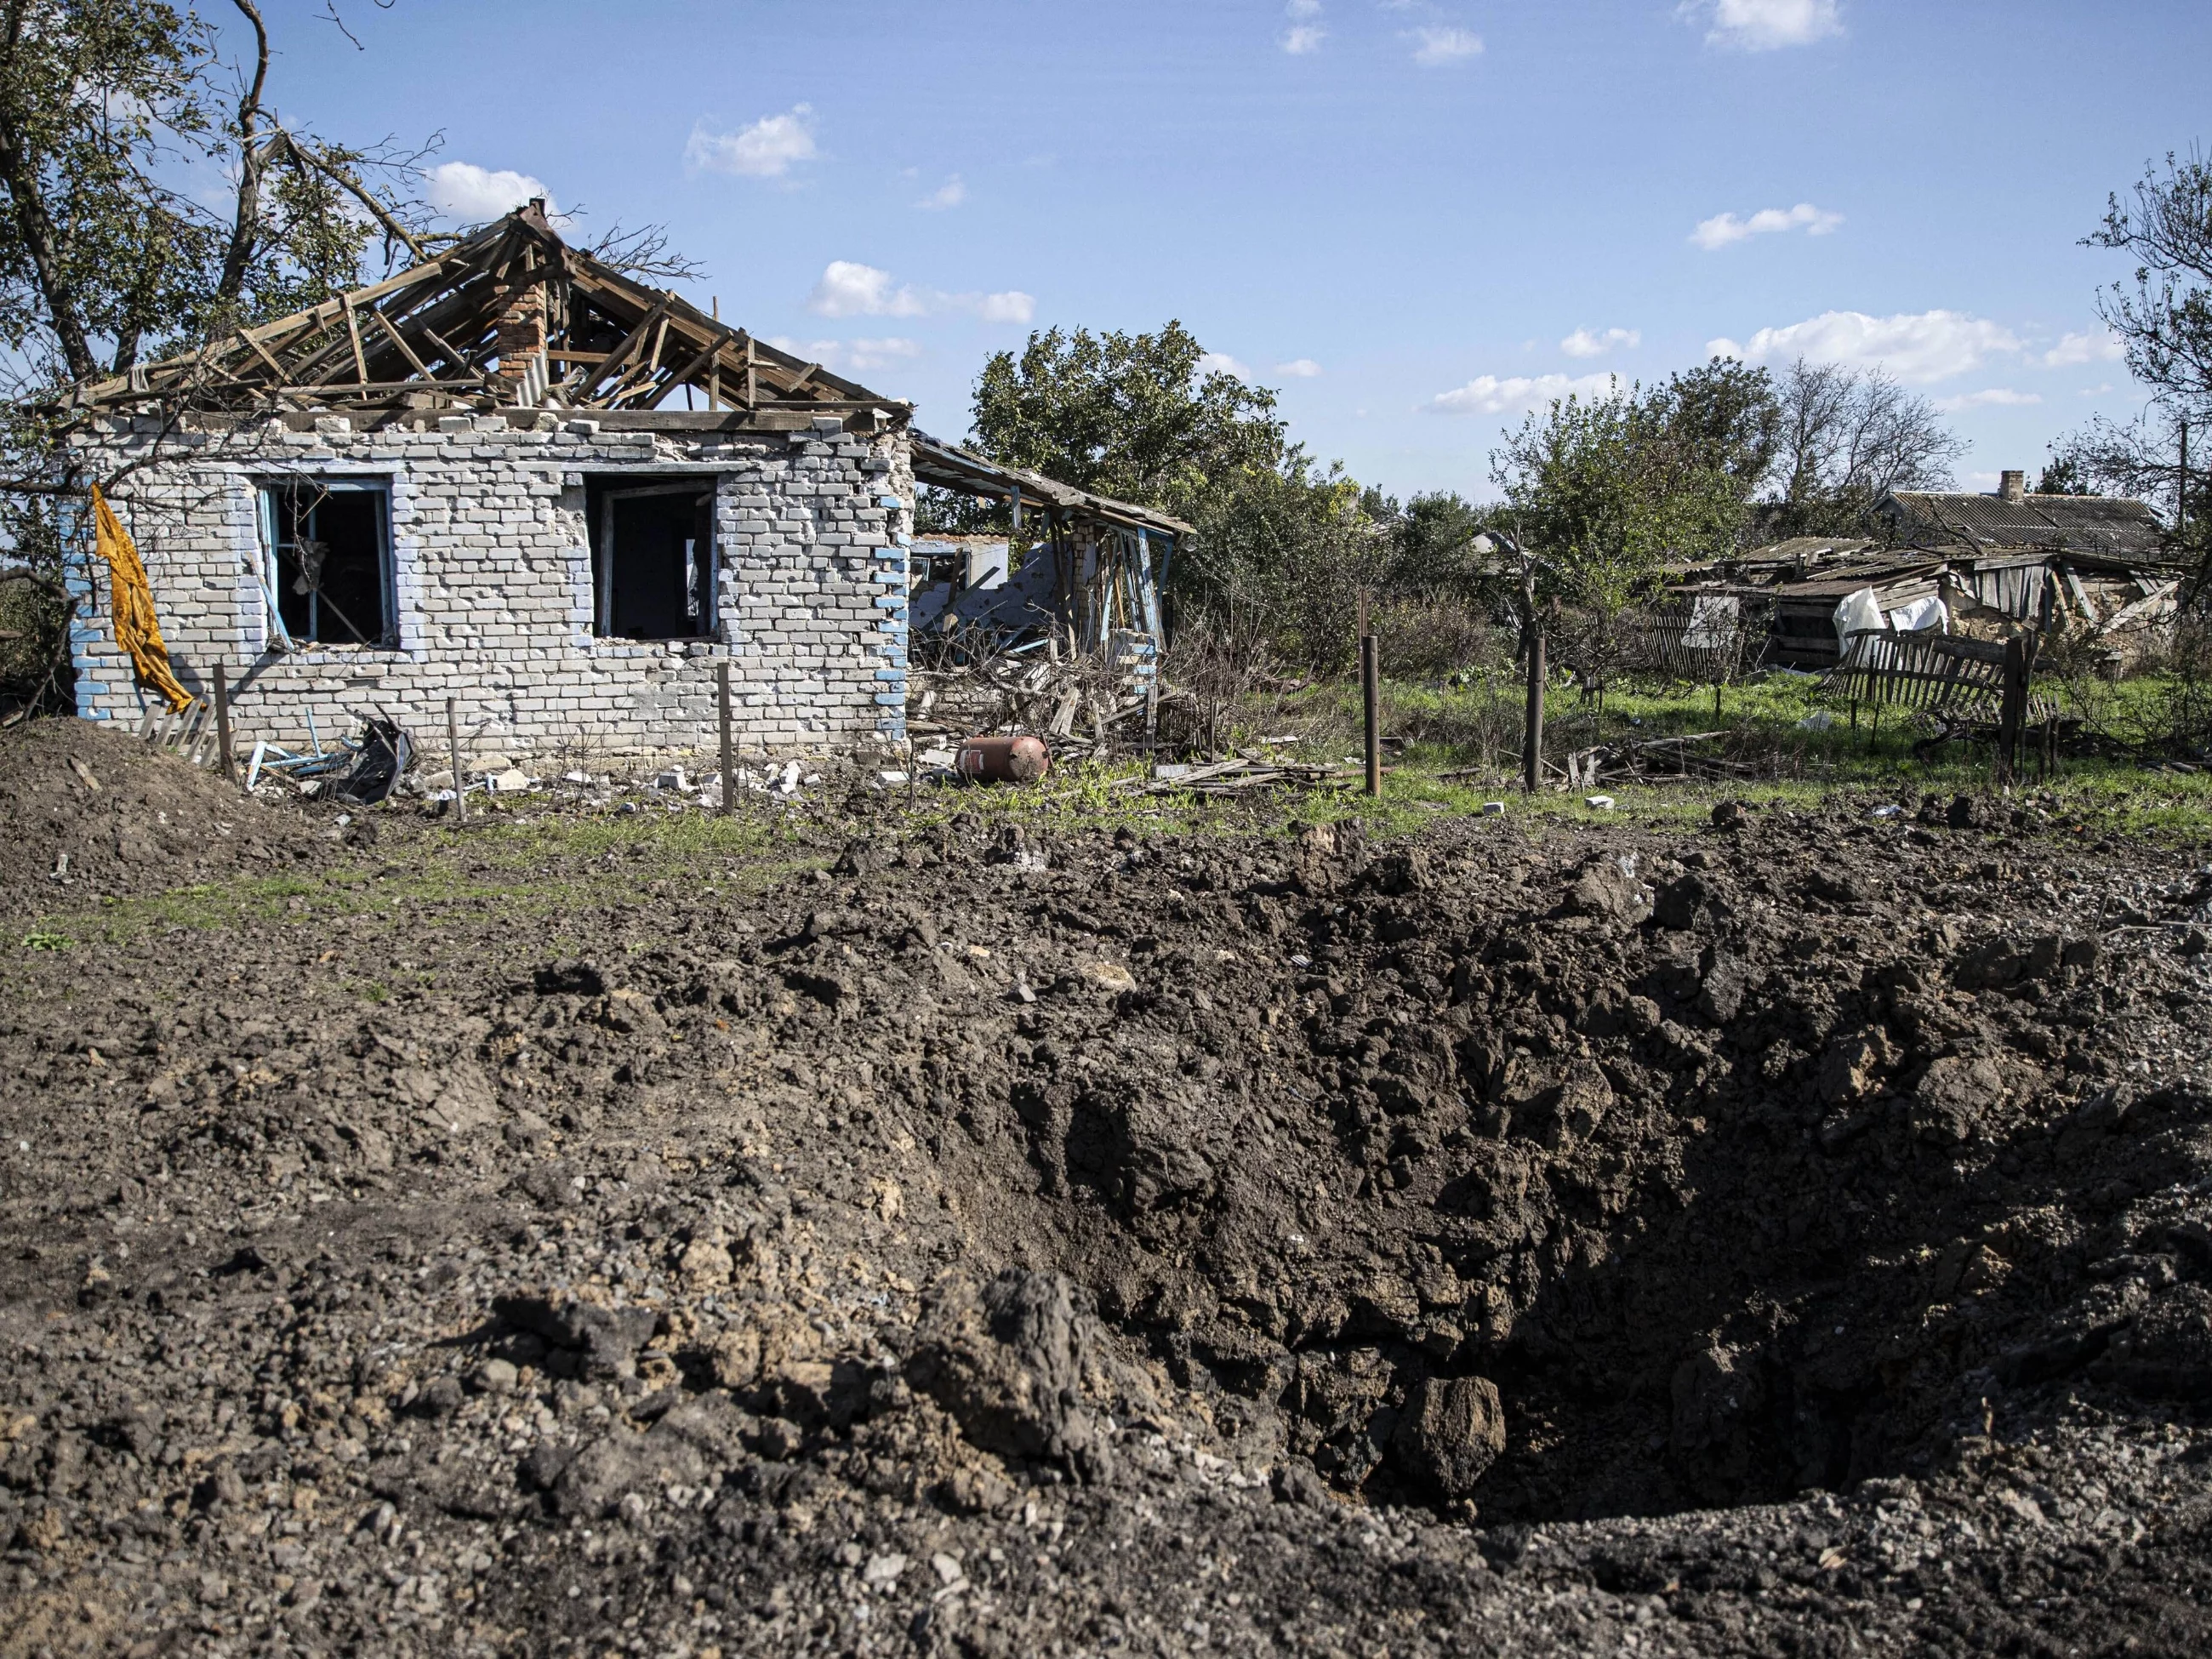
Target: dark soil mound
1151 1245
93 811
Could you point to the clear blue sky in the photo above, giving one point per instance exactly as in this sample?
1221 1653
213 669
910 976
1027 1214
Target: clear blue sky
1416 220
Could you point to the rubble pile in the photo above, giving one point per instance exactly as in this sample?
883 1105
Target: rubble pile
1789 1238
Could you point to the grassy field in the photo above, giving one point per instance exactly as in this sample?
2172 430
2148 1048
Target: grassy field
1454 753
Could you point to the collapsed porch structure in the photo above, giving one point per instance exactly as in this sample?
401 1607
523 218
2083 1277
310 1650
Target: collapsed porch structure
514 477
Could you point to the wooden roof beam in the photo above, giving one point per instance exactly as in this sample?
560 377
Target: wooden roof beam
580 392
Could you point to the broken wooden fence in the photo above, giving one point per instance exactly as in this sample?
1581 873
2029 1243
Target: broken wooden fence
1701 640
1929 672
191 732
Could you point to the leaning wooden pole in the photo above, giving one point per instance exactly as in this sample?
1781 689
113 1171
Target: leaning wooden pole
453 753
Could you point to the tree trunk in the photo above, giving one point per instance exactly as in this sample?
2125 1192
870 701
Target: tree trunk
253 157
32 222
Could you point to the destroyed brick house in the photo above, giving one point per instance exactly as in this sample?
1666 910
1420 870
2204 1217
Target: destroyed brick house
1980 565
513 476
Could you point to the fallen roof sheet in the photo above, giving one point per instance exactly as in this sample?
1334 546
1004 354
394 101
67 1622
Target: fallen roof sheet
948 467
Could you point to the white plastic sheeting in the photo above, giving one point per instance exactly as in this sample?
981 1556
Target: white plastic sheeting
1861 612
1926 614
1858 613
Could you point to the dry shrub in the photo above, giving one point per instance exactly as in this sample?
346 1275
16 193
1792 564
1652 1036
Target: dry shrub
1431 638
1210 670
2163 706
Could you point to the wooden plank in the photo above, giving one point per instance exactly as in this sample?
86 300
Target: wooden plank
581 391
400 340
454 353
353 332
711 354
274 368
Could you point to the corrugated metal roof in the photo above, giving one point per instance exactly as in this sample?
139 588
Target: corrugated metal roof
2088 523
1883 579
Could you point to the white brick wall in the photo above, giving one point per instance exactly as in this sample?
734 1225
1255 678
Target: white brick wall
492 586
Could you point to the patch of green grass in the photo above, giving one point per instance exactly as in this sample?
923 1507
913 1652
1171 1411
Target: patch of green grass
47 938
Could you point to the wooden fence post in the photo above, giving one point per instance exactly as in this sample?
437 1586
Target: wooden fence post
2012 710
1371 696
1532 736
222 722
453 752
729 762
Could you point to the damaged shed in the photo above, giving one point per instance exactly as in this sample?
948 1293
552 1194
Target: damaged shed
1986 566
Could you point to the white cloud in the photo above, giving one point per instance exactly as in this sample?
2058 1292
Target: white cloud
1220 363
853 356
1486 394
848 288
1723 228
1765 25
950 194
1437 47
1300 368
1301 38
766 149
2075 349
1998 396
1918 347
1011 307
1584 344
463 191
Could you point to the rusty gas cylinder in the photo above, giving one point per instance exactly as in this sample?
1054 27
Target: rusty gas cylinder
1004 760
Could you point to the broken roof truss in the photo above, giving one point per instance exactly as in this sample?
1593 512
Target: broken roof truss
511 315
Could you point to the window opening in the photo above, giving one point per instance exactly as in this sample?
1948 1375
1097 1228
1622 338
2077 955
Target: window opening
327 544
652 560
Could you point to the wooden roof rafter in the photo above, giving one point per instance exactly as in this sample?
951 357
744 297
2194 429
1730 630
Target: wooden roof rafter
434 329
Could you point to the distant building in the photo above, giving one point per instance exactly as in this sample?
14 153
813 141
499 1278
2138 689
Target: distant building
1990 564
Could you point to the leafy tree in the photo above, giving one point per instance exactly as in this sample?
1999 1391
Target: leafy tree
1129 416
1433 548
1722 417
109 111
1138 416
2165 320
105 106
2063 475
1606 491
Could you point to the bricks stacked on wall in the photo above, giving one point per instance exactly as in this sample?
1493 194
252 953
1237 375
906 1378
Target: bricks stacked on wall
493 584
520 332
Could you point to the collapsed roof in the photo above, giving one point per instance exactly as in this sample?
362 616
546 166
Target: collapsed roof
510 315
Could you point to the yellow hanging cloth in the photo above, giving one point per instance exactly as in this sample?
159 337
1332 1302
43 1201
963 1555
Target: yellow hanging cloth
135 629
